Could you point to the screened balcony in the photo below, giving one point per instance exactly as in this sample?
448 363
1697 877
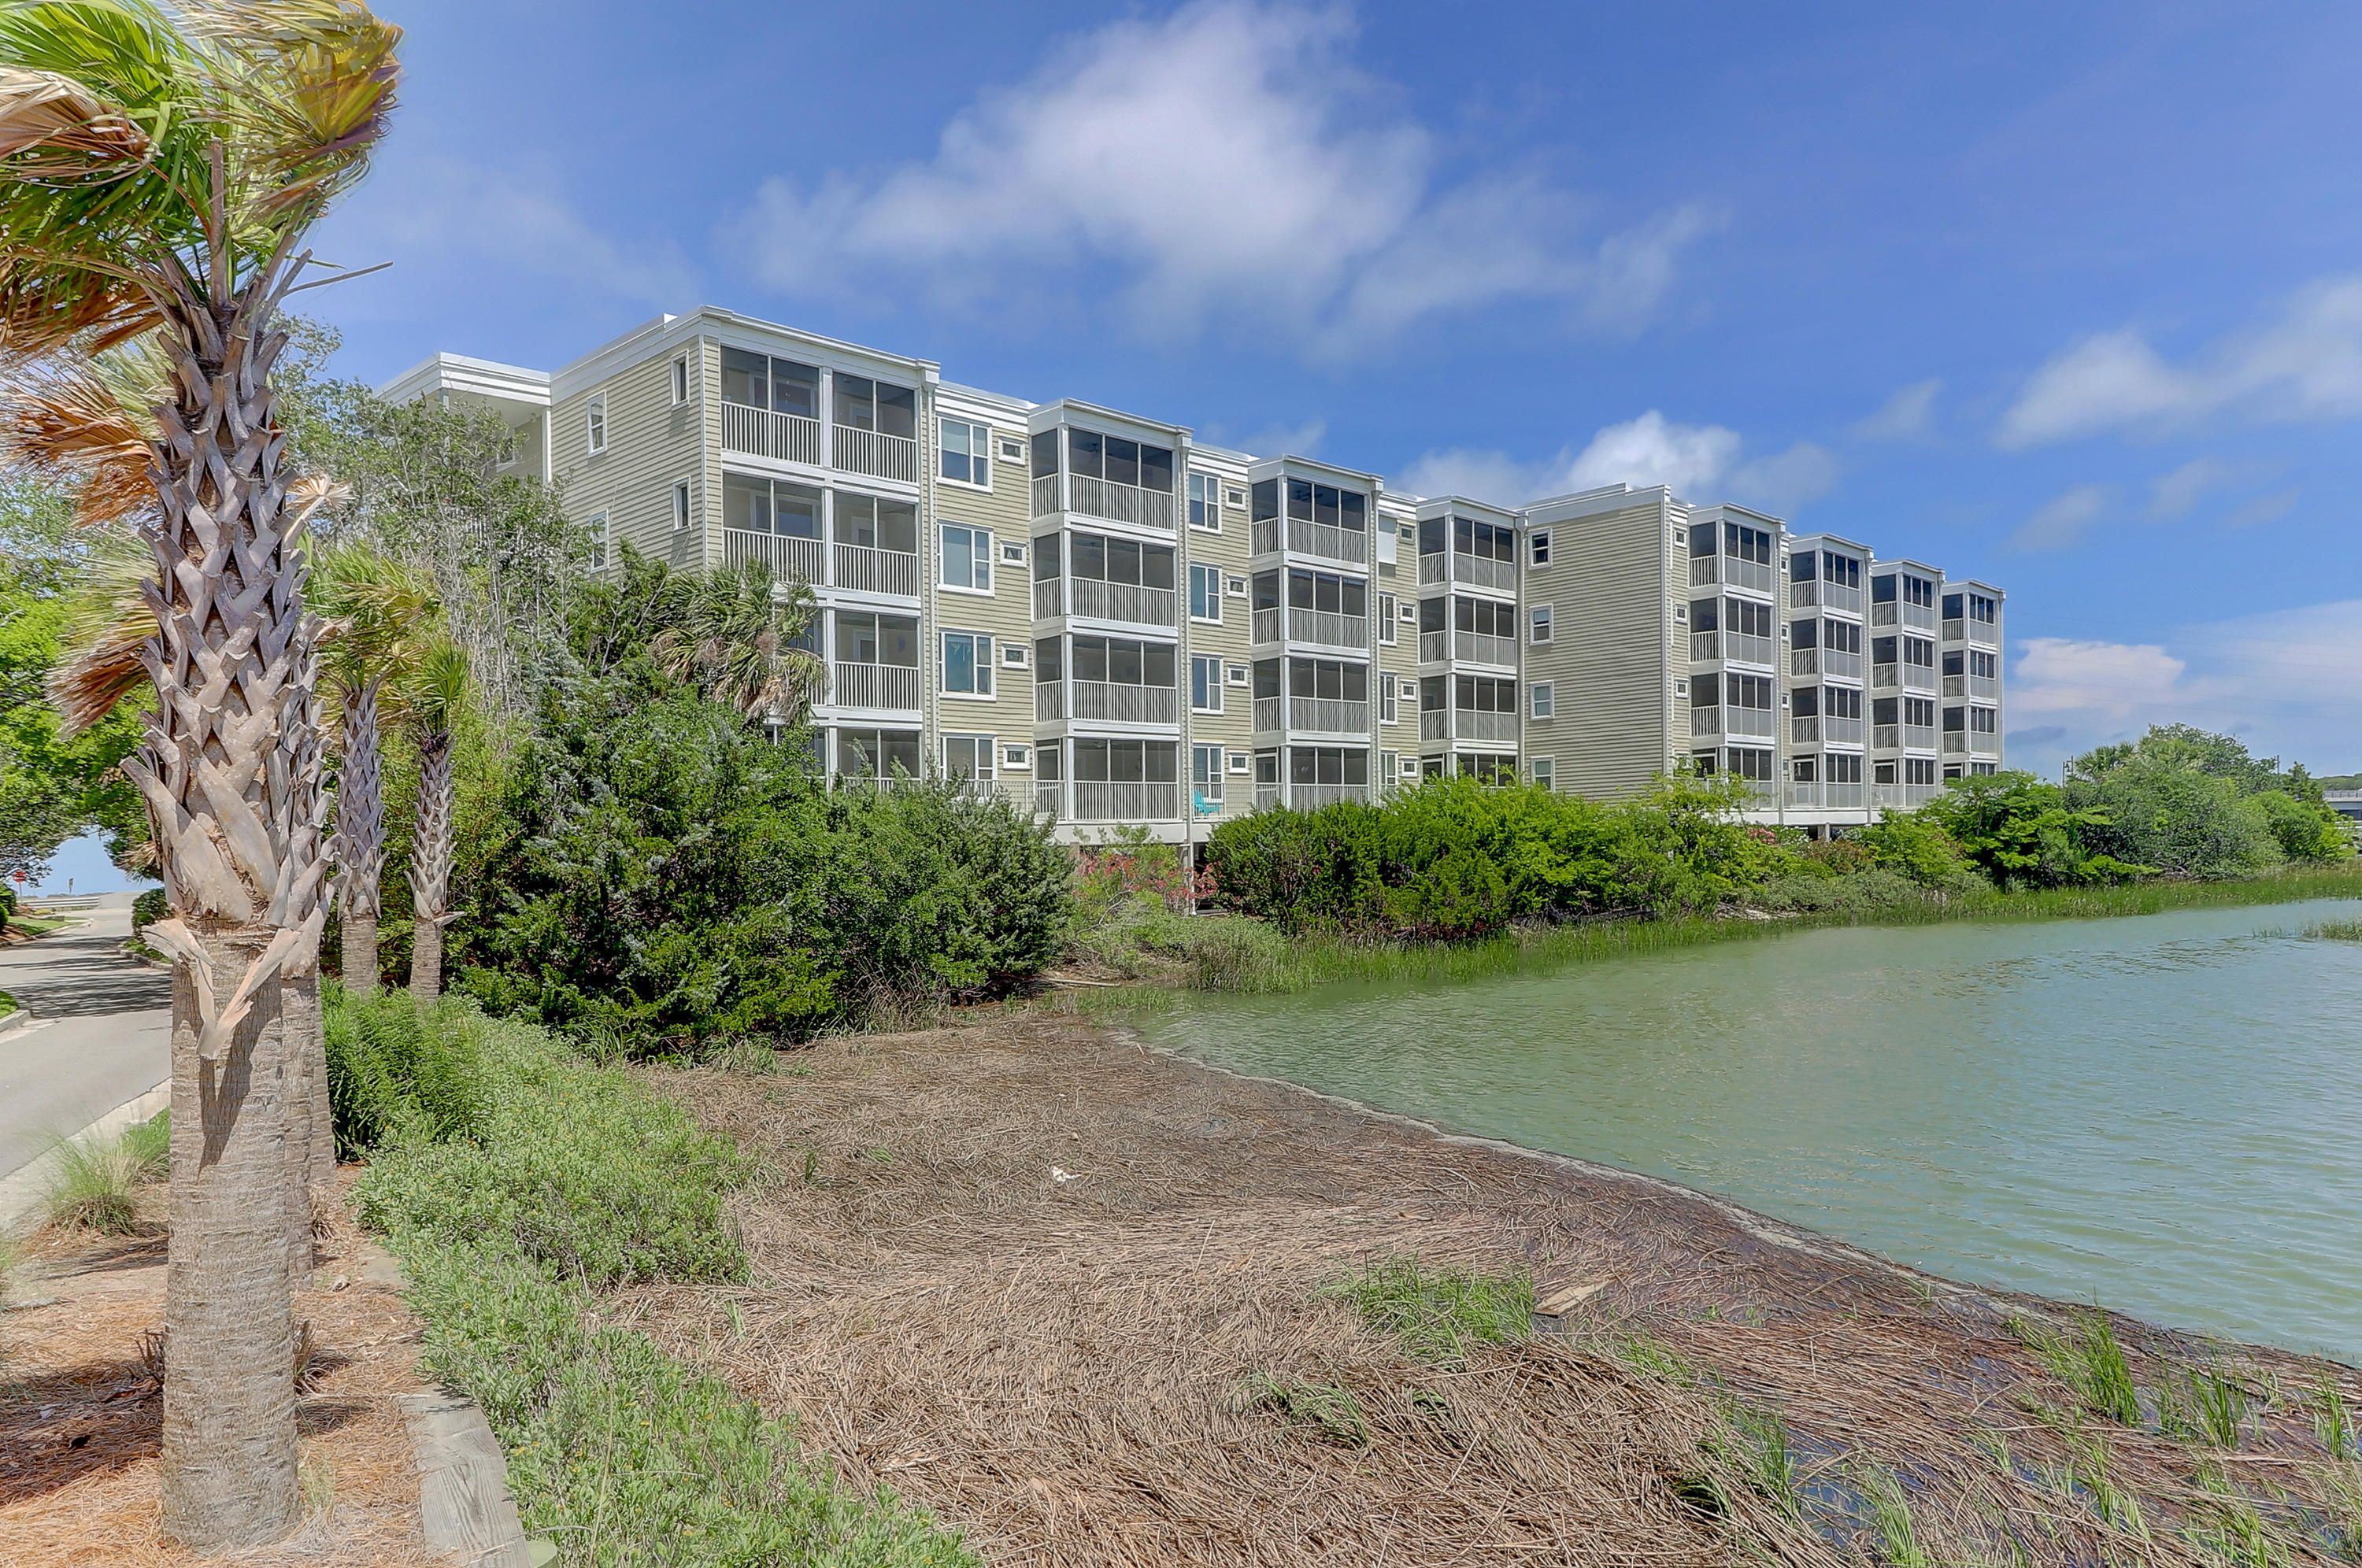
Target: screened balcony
874 661
876 428
1106 577
785 525
1333 611
1098 475
1323 520
771 408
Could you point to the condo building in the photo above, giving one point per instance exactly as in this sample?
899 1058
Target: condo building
1113 624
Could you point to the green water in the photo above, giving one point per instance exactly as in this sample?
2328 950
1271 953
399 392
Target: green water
2162 1112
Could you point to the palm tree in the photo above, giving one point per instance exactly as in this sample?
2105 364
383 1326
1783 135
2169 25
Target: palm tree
384 613
159 169
441 697
736 634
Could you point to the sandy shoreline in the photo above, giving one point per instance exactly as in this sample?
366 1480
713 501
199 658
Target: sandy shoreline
1028 1272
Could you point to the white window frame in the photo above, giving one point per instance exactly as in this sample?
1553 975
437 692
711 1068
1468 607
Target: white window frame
1542 770
680 507
979 558
976 433
1012 552
1541 699
1233 586
1240 762
1682 686
1537 548
1680 614
1237 675
594 424
1409 766
980 658
1388 696
1017 756
989 745
1213 577
1212 788
1212 500
1015 655
1540 622
1407 609
600 543
1389 619
680 381
1214 683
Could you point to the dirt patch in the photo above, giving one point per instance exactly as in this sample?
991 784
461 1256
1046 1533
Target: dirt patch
80 1414
1076 1296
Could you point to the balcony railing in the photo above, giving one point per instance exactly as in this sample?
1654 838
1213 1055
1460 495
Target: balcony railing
1956 630
1484 571
1269 715
1045 495
1119 502
1485 726
1434 568
1049 700
1707 571
1983 742
1746 723
1984 634
1918 737
1126 800
787 555
1824 794
874 452
868 570
1827 595
1434 647
1329 715
1483 648
767 433
1329 628
1325 540
1266 796
1263 626
1737 648
1884 678
1129 601
1903 797
892 688
1115 702
1918 617
1919 677
1956 743
1435 723
1312 797
1049 597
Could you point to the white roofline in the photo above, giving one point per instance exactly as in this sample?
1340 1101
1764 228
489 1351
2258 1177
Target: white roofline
459 373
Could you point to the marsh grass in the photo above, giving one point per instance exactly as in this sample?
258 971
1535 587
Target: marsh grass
1755 1443
1235 953
2335 931
1891 1519
1329 1409
2199 1404
1437 1314
2087 1358
94 1185
2333 1422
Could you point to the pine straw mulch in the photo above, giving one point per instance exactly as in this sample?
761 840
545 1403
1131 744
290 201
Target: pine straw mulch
1082 1370
80 1414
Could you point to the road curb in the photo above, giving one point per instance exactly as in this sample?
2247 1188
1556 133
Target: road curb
21 1189
15 1020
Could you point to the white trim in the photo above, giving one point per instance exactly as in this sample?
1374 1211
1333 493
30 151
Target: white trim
594 424
1541 623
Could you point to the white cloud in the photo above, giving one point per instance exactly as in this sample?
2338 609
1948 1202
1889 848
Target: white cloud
1906 416
2060 521
2177 493
1228 158
2266 508
2281 680
1693 460
2304 365
443 209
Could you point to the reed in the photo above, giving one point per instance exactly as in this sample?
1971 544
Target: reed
1439 1314
2087 1358
1890 1520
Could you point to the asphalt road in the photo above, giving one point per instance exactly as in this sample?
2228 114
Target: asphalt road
100 1036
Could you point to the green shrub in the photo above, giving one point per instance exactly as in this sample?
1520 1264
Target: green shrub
398 1076
93 1184
2305 830
148 908
1873 890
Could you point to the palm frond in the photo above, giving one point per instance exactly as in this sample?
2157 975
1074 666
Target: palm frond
107 634
54 128
318 80
92 418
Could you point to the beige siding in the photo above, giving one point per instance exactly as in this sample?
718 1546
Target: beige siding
1232 729
1399 663
652 445
1608 659
1006 613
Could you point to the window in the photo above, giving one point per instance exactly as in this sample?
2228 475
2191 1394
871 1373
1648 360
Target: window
597 529
1014 757
1235 586
1012 552
1538 548
967 664
1204 685
1205 506
967 453
864 404
680 380
1206 774
967 559
1013 654
1544 771
1388 620
1544 699
1205 593
1681 688
865 638
1123 661
1682 614
1387 696
969 758
680 504
757 380
597 424
1236 674
1389 765
1104 559
1484 541
1542 624
1118 461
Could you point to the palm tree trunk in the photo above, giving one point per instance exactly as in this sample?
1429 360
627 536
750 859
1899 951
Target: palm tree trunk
430 866
227 663
300 1019
361 837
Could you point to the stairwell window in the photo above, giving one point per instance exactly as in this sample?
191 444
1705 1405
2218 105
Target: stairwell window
967 664
1545 701
599 542
1544 770
967 453
680 380
1204 685
597 427
1538 548
1542 623
681 505
967 559
1205 508
1388 621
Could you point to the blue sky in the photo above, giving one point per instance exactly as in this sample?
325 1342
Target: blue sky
2069 298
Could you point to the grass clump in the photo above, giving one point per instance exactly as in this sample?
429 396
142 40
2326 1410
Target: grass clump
7 1004
1331 1410
2087 1357
564 1179
2335 931
1438 1315
1890 1520
94 1185
398 1076
2201 1404
2333 1422
1755 1443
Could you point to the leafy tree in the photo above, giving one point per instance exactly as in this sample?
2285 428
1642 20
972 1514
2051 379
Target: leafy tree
2023 831
159 169
1916 846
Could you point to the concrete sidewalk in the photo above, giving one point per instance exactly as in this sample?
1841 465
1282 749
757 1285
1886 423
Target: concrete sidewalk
100 1036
